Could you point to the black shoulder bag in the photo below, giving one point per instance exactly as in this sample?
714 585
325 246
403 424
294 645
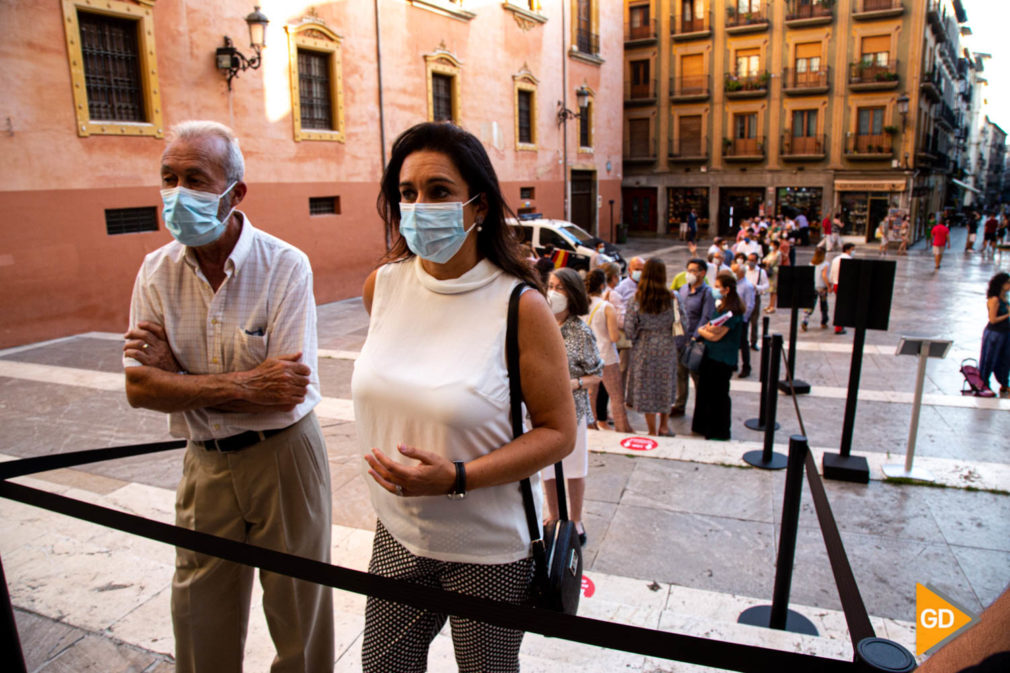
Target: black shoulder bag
557 553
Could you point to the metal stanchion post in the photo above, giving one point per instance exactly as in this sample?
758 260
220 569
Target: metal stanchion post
759 422
778 615
9 640
767 459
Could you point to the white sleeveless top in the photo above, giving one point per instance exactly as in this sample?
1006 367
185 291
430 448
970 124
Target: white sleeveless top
597 321
432 374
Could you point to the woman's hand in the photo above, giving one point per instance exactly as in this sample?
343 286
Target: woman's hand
433 475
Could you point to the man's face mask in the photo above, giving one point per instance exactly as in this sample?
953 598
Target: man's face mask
191 216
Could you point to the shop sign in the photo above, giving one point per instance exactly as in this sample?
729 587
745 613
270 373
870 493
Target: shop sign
869 185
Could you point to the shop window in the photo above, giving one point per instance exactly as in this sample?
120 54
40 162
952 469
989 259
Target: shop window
314 59
680 201
113 68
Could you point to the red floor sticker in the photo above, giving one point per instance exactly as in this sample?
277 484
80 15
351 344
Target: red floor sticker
588 588
639 443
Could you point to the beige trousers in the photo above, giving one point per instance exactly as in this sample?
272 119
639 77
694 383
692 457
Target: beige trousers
274 494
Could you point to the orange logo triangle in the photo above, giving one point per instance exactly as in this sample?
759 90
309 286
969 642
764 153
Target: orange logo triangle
936 619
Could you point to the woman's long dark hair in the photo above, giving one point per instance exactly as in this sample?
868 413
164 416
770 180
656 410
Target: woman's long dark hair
996 284
652 295
730 299
496 241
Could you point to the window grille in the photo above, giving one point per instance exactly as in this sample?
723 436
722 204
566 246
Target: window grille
111 68
441 97
324 205
131 220
525 116
314 89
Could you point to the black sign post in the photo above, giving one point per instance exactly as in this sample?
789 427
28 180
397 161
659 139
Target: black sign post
863 301
796 291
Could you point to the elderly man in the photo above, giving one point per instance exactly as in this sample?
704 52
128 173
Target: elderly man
697 305
223 338
625 292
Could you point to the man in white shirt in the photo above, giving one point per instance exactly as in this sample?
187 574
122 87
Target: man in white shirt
759 279
836 265
223 338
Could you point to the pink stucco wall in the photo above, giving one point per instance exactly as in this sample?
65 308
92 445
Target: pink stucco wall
60 273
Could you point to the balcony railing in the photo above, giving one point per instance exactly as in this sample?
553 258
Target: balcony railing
744 22
863 10
643 92
946 116
695 87
646 31
930 85
640 151
808 81
864 75
797 147
870 146
799 11
744 148
681 28
746 86
587 42
688 150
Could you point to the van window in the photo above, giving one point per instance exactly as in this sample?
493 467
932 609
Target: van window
524 233
551 237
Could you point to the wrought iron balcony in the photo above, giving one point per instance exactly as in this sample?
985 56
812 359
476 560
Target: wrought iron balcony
929 85
587 42
639 151
642 33
870 147
865 76
683 150
747 22
743 149
804 148
807 82
695 28
640 94
746 86
802 13
690 88
868 10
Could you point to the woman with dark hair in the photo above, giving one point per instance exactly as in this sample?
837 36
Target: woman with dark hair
712 405
431 399
567 296
995 357
603 321
649 324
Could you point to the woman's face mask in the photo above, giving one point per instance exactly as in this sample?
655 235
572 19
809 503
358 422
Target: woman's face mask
434 231
191 216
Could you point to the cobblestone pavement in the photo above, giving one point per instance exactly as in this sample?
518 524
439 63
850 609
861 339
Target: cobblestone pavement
680 537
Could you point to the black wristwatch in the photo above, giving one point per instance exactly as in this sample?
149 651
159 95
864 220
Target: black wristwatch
458 491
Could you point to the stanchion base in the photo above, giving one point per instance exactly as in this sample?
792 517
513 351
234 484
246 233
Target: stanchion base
755 424
916 473
756 458
845 468
799 387
880 654
760 615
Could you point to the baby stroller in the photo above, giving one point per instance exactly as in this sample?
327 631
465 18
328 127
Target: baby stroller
973 383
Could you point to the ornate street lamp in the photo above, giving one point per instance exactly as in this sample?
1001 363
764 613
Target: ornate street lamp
231 61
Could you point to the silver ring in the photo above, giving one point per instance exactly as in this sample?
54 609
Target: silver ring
145 346
399 490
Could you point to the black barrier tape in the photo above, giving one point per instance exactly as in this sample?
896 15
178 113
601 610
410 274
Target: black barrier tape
23 466
637 640
856 617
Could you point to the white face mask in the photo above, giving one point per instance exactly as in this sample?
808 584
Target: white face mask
558 301
691 278
636 275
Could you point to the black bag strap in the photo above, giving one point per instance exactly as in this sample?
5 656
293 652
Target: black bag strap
516 398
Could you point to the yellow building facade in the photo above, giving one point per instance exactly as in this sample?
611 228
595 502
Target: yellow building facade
744 107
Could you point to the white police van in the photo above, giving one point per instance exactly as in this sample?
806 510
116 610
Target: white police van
566 237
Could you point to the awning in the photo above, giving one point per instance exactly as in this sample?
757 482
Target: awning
870 185
965 185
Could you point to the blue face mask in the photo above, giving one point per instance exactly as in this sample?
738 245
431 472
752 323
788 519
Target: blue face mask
191 216
434 231
717 293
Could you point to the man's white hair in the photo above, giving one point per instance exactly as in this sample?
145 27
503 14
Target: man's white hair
233 161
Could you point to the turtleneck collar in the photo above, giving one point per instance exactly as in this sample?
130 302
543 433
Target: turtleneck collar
480 275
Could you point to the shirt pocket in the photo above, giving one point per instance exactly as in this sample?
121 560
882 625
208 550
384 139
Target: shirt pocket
250 349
